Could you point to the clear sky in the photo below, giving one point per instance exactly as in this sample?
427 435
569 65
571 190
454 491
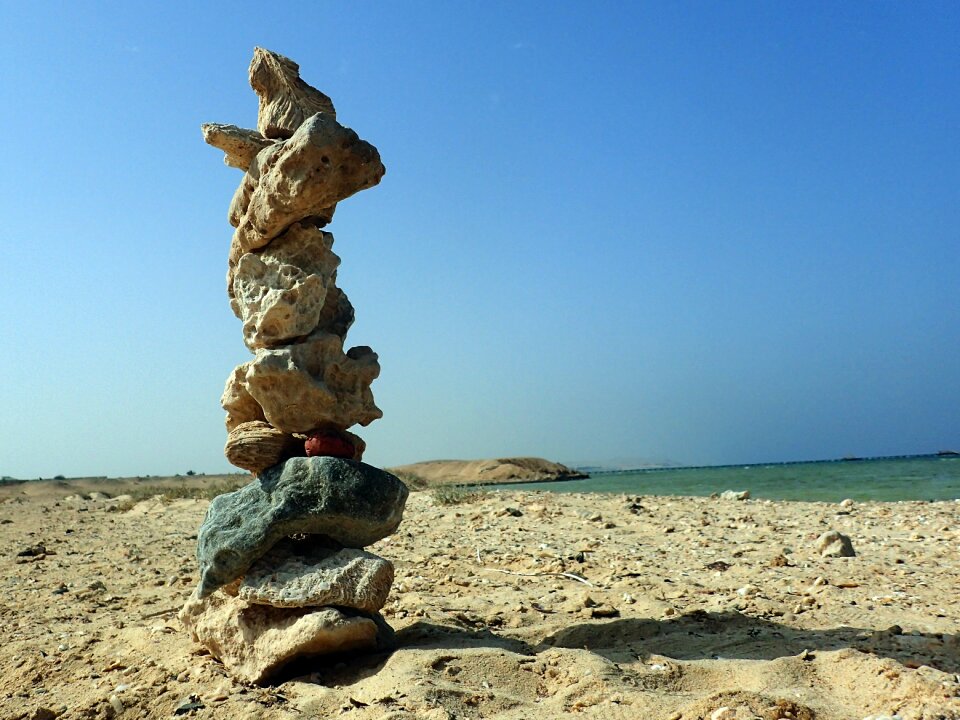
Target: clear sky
609 232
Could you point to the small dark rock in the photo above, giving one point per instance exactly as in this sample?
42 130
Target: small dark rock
719 565
189 705
33 551
42 713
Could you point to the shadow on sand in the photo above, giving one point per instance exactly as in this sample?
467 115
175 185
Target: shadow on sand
694 636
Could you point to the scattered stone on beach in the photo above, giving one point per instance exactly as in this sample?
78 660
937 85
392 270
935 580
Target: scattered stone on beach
255 641
735 495
256 445
320 576
352 503
846 503
33 550
835 544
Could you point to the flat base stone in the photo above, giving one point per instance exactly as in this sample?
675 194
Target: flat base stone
254 642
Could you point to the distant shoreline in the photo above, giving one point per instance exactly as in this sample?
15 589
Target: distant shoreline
564 475
878 458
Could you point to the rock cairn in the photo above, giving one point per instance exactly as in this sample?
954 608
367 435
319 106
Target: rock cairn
283 572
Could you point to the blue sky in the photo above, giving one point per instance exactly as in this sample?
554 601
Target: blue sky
608 233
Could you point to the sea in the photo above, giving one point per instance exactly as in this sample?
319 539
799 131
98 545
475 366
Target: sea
918 477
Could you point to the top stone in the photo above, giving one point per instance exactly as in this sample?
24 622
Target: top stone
285 100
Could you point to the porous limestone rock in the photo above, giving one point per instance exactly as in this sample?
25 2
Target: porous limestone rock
322 163
254 642
835 544
255 446
314 383
285 100
240 146
336 315
281 292
289 576
351 503
239 404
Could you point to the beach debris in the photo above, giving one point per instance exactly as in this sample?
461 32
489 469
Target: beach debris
283 573
735 495
835 544
33 550
188 705
43 713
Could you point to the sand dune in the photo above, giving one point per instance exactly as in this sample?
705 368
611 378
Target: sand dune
693 605
434 473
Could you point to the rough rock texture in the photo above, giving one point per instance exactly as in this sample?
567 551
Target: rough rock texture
835 544
255 641
321 164
240 146
285 100
239 404
255 446
317 577
351 503
313 383
281 292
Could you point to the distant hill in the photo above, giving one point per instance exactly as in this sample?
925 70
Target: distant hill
481 472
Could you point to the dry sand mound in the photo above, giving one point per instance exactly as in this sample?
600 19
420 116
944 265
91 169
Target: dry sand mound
693 605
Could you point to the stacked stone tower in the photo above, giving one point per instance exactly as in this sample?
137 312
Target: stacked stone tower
283 573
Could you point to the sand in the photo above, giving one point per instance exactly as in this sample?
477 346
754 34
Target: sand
694 605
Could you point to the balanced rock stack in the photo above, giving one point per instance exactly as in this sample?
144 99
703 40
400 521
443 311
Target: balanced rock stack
283 573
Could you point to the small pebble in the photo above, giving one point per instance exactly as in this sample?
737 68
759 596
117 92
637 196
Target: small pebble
724 713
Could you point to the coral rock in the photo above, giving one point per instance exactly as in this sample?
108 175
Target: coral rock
285 100
240 146
319 576
296 179
835 544
255 446
281 292
239 404
351 503
254 642
314 384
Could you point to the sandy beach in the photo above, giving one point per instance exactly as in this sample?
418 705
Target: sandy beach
508 605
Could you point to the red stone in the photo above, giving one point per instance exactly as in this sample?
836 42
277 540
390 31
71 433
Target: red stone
328 444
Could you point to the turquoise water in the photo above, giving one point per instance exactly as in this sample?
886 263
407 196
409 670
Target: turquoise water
916 478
